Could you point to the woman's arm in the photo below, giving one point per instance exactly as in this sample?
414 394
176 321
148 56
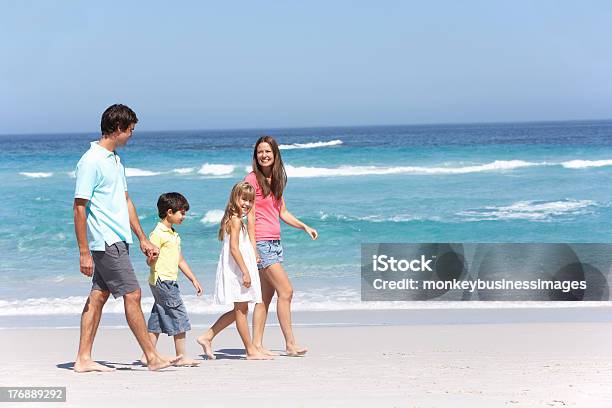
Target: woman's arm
291 220
235 224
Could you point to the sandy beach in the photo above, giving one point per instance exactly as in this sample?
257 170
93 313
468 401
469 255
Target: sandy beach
538 364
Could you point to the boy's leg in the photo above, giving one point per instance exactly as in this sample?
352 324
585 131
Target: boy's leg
241 310
135 319
90 319
260 314
179 345
205 340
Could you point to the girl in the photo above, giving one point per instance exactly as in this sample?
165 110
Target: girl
269 179
237 276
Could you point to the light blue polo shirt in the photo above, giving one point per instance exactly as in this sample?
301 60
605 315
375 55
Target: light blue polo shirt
100 178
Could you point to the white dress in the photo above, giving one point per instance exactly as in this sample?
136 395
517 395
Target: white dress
229 288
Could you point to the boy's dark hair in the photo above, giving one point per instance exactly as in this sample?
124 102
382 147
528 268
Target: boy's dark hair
171 201
115 117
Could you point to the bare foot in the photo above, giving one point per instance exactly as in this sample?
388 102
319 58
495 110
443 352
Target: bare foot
161 362
186 362
296 351
258 356
266 352
206 344
86 366
143 360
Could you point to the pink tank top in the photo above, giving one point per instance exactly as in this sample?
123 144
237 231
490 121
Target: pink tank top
267 210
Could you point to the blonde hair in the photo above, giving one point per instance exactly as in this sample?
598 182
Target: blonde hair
240 189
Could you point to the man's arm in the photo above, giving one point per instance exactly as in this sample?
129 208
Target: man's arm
146 246
80 229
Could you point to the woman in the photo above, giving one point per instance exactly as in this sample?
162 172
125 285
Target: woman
269 179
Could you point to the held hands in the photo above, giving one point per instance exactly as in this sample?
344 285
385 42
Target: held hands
150 250
198 287
311 231
86 264
246 280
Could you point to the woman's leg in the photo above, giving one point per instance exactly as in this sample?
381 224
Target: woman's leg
205 340
241 310
279 280
260 314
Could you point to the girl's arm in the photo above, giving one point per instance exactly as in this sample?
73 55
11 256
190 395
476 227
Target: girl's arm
235 224
289 219
189 274
251 230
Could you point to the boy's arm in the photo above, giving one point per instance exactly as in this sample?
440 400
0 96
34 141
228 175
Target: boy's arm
155 239
80 229
146 246
235 225
184 267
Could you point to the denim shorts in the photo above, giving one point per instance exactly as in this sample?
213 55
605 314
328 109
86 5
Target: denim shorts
270 252
168 314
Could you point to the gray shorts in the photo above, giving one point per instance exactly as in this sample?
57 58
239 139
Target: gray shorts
168 314
113 271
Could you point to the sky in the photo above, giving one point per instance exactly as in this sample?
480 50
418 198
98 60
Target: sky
261 64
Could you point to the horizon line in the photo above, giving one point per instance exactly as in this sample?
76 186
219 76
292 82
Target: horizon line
539 121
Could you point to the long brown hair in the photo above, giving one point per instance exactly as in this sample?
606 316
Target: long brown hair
240 189
279 176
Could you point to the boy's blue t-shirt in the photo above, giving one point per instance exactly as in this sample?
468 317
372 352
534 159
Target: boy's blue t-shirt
100 178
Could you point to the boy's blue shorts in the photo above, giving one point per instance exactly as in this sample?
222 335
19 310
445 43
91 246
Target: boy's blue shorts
168 314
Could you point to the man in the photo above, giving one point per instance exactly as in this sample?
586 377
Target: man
102 205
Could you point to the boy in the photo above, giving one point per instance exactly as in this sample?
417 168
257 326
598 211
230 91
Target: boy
168 314
103 207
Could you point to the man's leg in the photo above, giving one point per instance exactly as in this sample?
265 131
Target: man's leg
135 319
90 319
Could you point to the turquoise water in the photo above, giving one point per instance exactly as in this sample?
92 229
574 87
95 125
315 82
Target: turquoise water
538 182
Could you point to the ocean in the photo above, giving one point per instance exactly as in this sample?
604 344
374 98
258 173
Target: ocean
511 182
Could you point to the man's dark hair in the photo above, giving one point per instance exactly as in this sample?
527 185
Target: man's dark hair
115 117
171 201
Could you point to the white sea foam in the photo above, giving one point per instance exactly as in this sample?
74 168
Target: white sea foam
212 217
343 171
71 174
184 170
134 172
323 216
36 175
583 164
310 145
531 210
208 169
328 299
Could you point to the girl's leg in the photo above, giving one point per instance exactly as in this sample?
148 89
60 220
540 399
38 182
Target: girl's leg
179 345
205 340
241 310
280 281
260 314
153 337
